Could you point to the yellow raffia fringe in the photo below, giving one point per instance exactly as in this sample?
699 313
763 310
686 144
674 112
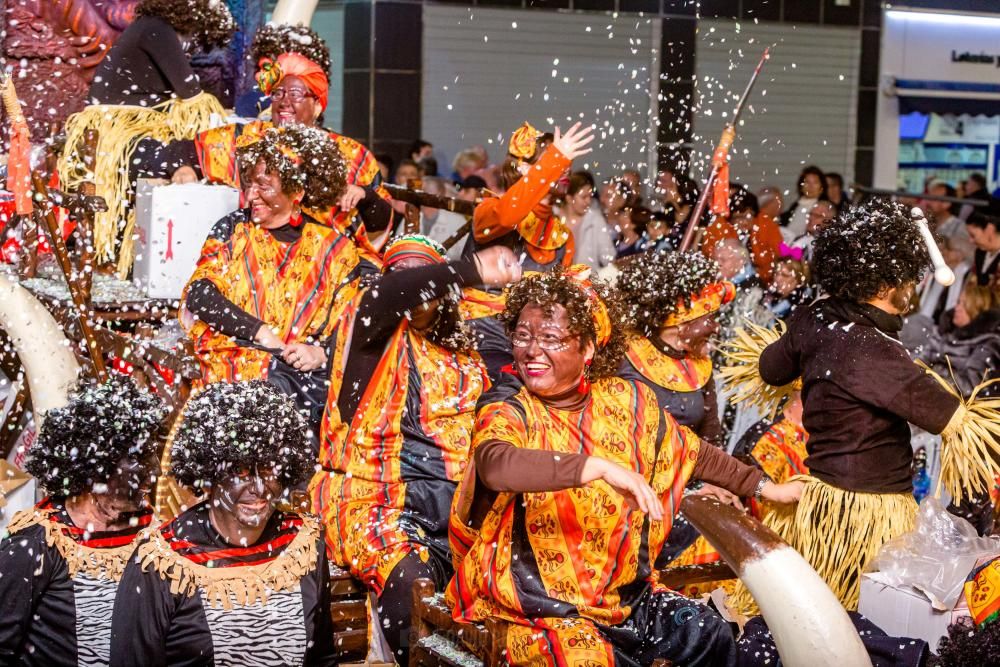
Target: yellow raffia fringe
837 532
119 129
970 443
97 563
241 585
742 375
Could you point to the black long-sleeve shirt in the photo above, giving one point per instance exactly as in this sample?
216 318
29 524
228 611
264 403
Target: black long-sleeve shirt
146 66
152 626
383 306
859 391
47 617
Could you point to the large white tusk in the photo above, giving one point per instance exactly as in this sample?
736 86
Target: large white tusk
293 12
808 623
942 272
41 345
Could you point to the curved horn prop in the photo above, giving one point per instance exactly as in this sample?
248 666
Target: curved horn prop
809 625
293 12
41 345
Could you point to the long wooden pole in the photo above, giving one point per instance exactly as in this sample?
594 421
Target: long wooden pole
722 149
62 256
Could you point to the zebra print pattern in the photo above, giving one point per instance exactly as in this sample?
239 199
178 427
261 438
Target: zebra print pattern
95 600
259 635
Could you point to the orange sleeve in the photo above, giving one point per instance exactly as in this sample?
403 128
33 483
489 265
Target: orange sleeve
497 217
765 245
567 260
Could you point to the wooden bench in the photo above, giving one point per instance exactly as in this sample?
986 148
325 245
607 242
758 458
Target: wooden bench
349 610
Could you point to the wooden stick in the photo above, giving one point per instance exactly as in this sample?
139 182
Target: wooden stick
725 143
62 256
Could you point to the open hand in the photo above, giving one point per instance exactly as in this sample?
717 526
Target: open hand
498 266
789 492
352 195
573 142
719 494
637 491
304 357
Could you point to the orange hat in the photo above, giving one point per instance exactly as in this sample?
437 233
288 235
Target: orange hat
271 72
523 143
580 274
713 297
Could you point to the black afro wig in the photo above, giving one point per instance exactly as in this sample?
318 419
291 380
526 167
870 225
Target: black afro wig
207 21
271 41
231 426
872 247
966 645
556 289
319 170
653 283
81 444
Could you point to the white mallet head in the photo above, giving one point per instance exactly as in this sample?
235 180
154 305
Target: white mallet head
942 272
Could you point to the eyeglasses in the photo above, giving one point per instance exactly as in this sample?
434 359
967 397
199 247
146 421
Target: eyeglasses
293 94
550 342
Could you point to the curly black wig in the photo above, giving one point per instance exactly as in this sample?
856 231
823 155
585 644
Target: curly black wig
872 247
229 426
82 444
556 289
319 170
272 40
652 284
966 645
208 22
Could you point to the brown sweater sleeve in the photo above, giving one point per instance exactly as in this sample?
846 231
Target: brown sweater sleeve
716 467
503 467
710 428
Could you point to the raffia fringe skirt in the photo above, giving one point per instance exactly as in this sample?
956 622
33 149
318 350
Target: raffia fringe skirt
837 532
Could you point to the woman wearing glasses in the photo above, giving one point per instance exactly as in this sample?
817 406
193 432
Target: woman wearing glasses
231 580
264 296
559 521
398 425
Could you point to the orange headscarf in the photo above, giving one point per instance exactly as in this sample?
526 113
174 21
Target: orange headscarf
271 72
713 297
580 274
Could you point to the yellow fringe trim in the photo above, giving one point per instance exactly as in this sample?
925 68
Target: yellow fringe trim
119 129
742 374
94 562
245 584
970 443
838 532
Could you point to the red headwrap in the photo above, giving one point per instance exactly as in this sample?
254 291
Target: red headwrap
271 72
580 274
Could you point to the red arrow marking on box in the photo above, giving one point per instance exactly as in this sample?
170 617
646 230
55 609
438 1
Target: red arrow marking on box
170 240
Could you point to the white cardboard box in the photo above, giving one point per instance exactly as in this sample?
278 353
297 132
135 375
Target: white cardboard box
172 223
905 611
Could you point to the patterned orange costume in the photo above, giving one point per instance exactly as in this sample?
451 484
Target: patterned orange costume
393 464
293 287
560 565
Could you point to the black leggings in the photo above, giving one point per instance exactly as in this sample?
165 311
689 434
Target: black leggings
395 604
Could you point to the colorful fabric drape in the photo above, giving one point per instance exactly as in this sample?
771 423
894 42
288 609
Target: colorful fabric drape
387 485
688 374
982 592
573 558
294 288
